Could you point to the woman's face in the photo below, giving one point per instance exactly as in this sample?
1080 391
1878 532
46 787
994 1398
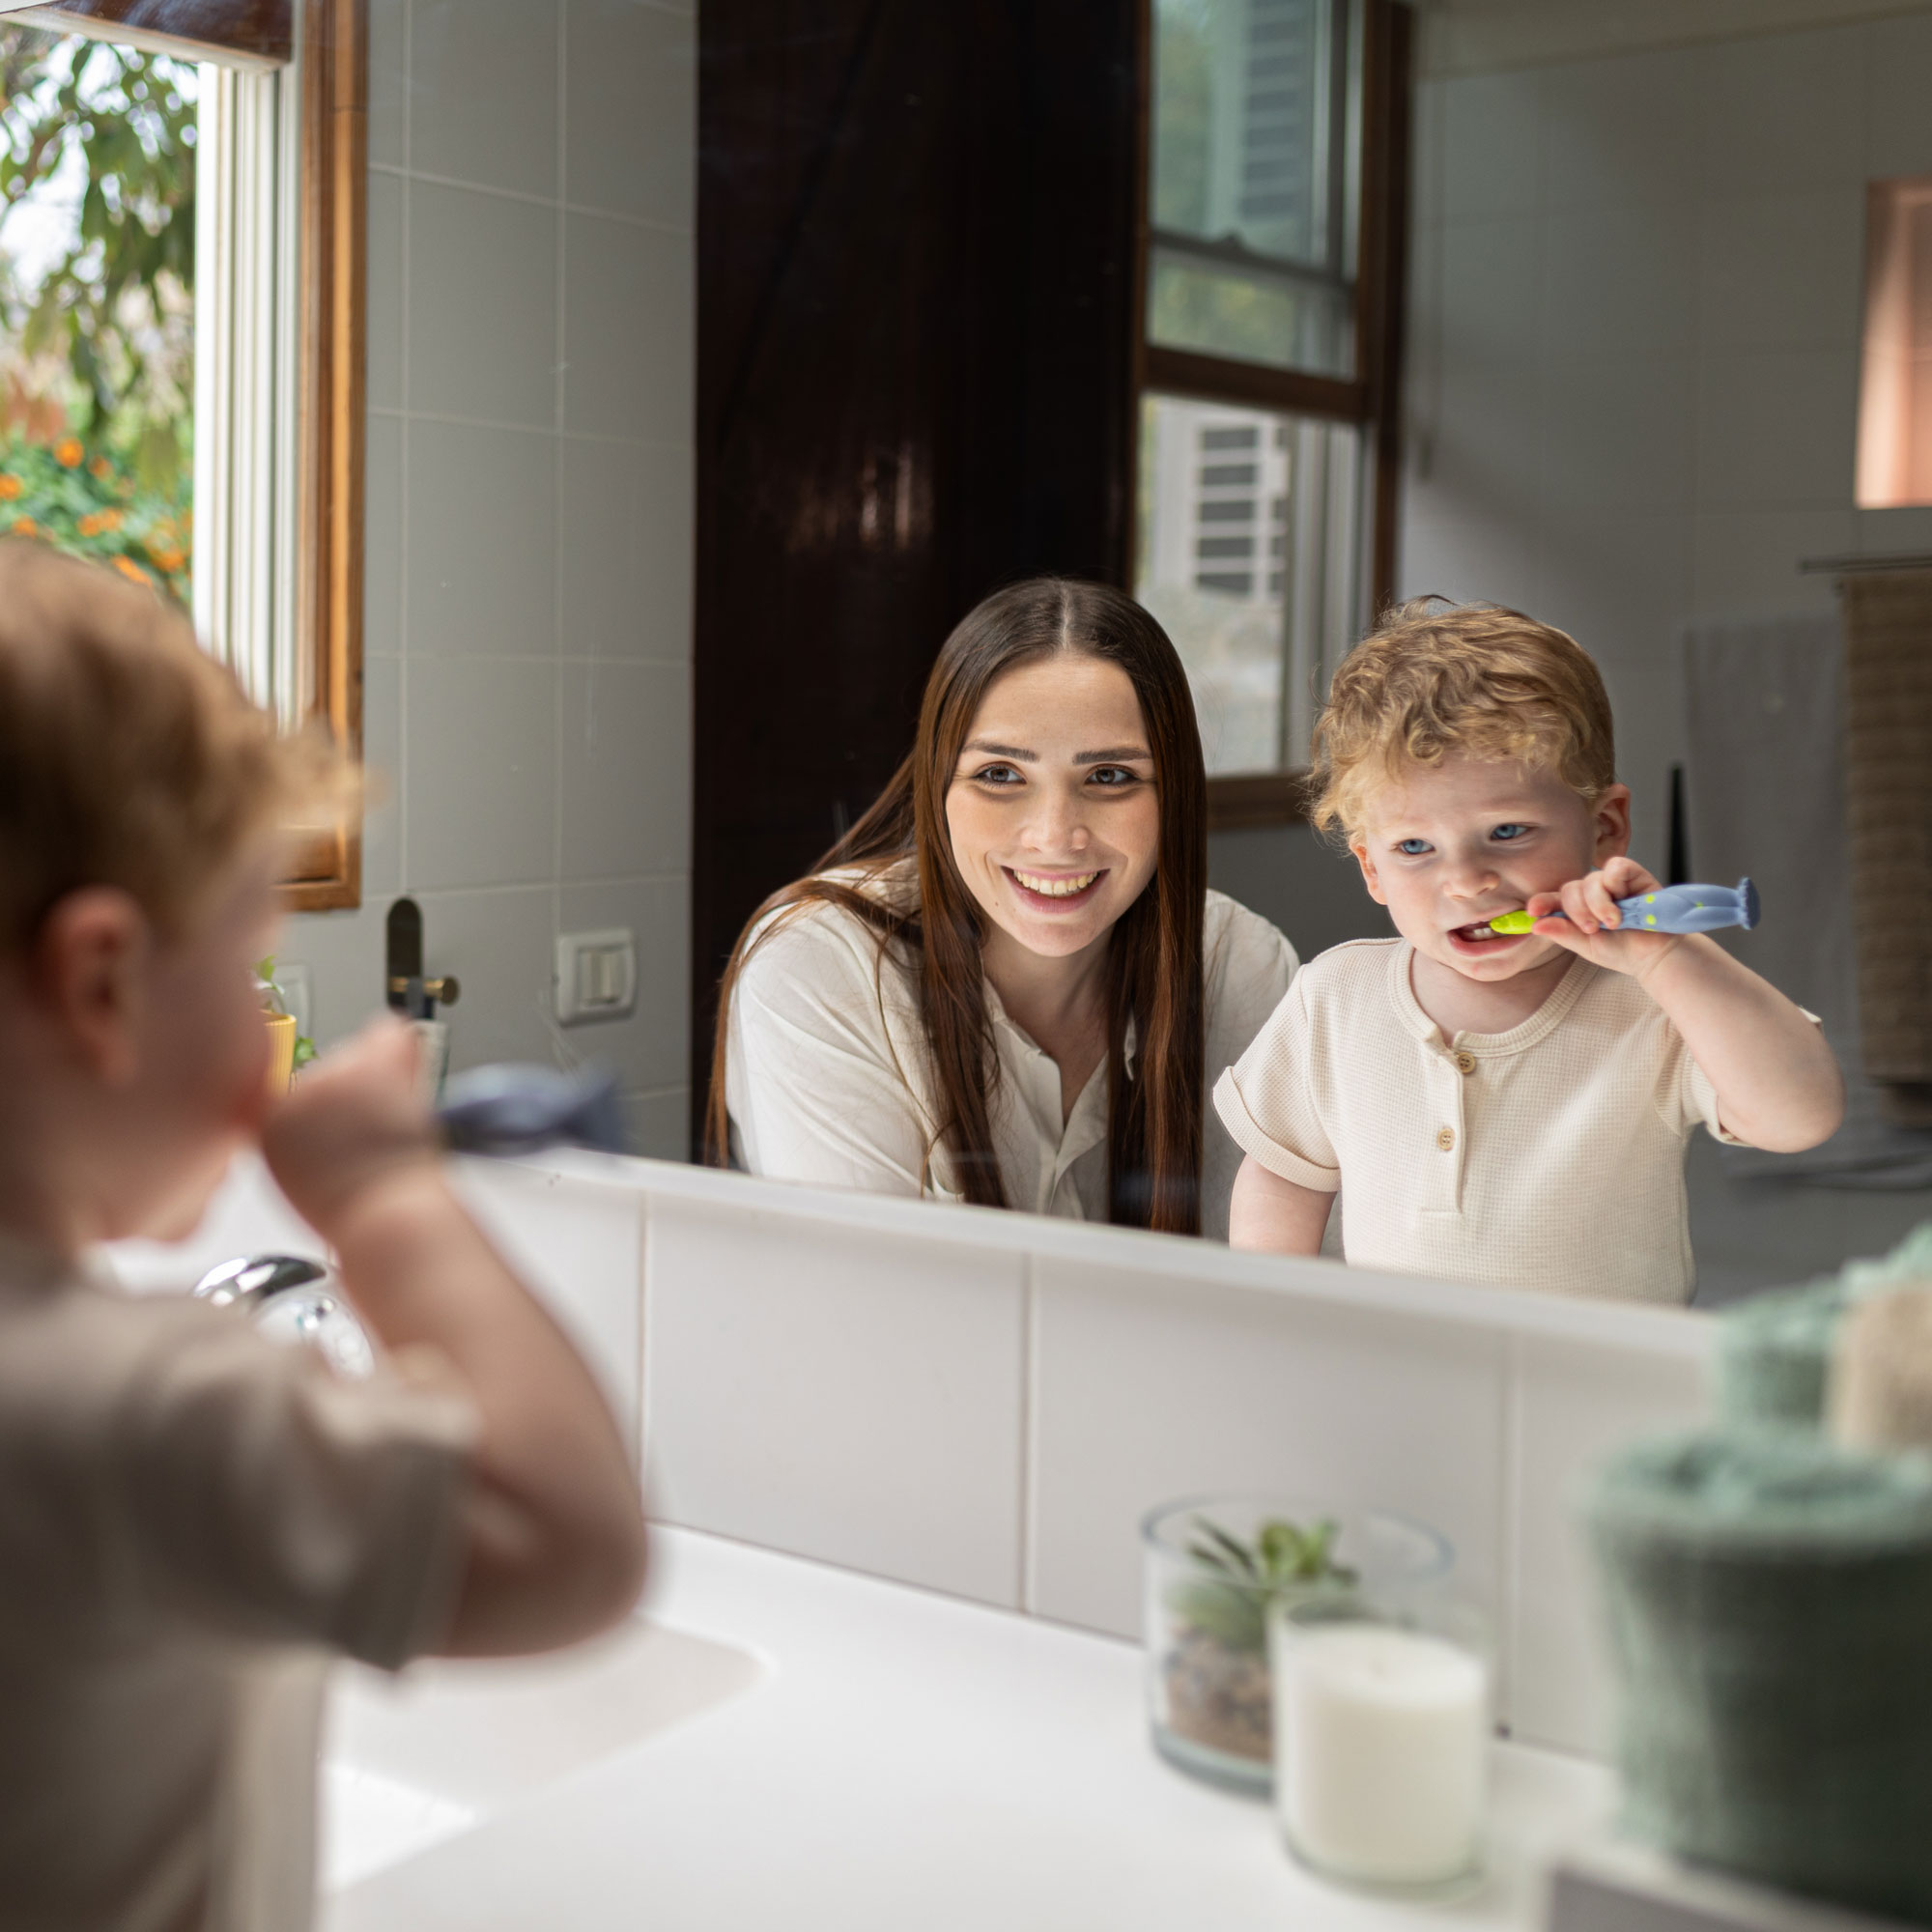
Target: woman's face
1052 809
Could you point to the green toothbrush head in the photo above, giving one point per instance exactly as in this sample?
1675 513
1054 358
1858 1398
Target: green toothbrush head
1513 922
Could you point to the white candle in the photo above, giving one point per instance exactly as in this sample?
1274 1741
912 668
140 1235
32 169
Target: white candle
1380 1742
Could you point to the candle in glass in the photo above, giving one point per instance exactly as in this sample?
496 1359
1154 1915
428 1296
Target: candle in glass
1381 1738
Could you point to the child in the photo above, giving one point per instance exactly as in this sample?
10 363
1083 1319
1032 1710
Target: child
191 1518
1509 1110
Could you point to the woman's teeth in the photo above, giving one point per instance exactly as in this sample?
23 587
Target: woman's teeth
1055 889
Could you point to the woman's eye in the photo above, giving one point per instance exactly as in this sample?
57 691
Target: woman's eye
1412 848
1112 777
997 774
1508 831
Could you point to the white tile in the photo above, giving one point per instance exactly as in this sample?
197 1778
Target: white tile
479 750
651 1049
1576 1404
389 35
483 92
1489 141
385 300
1784 270
626 770
1622 280
482 306
658 1124
343 951
1898 73
382 760
631 115
482 509
1492 275
581 1250
499 946
1785 110
626 550
1745 561
383 536
1465 552
1618 432
1626 130
1777 429
1148 1390
627 329
847 1396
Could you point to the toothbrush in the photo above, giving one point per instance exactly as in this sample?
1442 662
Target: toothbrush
1669 909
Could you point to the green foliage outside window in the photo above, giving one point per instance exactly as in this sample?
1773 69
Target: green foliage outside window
97 367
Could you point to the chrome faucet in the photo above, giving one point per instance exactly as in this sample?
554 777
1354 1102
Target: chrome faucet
290 1300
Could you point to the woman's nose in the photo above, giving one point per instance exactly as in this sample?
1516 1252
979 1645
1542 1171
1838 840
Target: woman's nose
1057 824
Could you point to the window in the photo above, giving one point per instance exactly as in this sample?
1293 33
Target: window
180 234
1274 156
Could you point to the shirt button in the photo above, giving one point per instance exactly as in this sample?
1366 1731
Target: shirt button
1466 1063
1445 1139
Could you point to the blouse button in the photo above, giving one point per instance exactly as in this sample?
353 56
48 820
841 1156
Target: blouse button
1445 1139
1465 1061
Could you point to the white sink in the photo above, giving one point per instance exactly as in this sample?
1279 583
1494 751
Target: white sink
412 1759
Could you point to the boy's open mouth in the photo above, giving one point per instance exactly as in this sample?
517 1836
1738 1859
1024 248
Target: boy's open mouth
1479 933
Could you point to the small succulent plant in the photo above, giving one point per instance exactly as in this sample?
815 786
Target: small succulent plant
1229 1600
275 1000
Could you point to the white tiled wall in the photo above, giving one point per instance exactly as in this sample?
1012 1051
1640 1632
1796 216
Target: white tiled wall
528 690
1636 294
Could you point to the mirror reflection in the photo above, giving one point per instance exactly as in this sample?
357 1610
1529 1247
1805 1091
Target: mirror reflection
902 633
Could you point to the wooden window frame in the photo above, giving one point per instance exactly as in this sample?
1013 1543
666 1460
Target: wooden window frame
326 873
1370 398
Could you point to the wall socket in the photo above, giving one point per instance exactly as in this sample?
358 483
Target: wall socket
596 976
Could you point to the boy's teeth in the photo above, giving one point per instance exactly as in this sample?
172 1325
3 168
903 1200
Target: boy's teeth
1056 888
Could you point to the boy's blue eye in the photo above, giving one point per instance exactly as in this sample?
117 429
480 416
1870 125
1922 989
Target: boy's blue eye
1412 847
1506 831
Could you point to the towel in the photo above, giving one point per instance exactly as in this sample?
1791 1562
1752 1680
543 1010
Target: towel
1764 791
1888 827
1766 1596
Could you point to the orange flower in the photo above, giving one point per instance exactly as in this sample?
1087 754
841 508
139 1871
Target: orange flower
68 452
111 520
169 560
25 526
127 568
10 488
100 467
90 527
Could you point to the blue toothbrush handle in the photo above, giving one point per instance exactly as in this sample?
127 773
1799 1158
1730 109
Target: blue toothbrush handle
1689 908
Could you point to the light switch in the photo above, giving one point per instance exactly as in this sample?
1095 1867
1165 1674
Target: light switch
596 976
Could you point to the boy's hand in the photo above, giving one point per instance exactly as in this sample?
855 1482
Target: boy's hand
355 1118
1590 926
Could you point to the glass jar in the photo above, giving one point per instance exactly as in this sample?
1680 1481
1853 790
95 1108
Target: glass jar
1212 1569
1382 1720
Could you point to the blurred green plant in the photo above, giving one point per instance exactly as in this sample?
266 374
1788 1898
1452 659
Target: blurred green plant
101 341
1229 1600
85 503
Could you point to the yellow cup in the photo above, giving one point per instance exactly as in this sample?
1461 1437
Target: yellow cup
282 1051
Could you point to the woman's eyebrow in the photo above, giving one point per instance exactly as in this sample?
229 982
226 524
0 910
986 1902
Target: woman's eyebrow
1012 752
1114 755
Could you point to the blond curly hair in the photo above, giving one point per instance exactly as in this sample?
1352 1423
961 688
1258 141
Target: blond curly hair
1433 678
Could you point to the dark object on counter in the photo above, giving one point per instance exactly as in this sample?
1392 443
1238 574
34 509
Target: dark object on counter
513 1109
1767 1599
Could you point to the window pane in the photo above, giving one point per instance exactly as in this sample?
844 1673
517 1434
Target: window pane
1249 555
1255 125
96 279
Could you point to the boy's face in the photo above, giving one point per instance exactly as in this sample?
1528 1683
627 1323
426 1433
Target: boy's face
1452 844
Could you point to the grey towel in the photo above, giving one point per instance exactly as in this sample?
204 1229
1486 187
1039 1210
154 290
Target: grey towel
1765 789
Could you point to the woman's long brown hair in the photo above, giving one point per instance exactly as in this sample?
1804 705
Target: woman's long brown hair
1154 960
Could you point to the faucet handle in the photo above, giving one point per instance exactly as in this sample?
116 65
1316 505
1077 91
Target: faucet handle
445 991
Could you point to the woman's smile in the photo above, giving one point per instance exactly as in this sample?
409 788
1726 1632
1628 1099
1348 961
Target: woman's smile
1055 891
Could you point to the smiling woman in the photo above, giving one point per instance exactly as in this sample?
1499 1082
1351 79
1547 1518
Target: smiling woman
1008 983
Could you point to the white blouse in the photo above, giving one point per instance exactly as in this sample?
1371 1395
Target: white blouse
827 1079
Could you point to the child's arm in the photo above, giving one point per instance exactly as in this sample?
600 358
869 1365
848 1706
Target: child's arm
1777 1085
555 1532
1278 1217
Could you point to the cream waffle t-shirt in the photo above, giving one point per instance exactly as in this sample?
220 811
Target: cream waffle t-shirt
1550 1156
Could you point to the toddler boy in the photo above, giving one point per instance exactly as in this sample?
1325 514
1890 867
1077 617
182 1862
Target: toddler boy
1504 1110
191 1518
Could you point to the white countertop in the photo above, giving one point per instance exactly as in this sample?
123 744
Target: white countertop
915 1764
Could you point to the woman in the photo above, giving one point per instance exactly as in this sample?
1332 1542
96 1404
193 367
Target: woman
1008 982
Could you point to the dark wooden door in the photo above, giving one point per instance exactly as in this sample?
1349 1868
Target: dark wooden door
915 383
